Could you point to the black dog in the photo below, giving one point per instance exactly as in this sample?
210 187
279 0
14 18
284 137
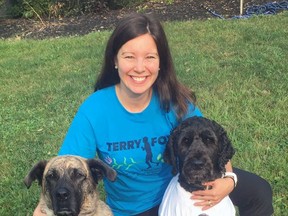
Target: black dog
198 150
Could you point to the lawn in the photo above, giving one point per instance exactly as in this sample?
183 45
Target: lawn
238 69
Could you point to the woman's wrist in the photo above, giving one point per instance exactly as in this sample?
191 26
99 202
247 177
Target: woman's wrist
232 176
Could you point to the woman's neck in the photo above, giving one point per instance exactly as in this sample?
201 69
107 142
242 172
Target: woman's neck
134 103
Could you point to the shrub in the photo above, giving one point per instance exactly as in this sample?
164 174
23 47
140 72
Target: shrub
55 8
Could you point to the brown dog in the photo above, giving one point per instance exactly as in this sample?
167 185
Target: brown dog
69 185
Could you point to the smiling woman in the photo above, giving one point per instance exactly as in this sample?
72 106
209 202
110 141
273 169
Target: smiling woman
128 118
138 64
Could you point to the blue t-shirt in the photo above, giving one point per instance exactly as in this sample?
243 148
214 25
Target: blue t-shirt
131 143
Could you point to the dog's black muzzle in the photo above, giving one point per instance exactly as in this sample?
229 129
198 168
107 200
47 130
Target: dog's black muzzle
66 200
196 165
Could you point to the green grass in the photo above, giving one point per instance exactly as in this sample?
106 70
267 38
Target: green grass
238 69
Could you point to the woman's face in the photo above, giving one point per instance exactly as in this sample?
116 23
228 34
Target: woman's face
138 64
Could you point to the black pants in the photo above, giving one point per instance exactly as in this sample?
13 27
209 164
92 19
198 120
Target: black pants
252 196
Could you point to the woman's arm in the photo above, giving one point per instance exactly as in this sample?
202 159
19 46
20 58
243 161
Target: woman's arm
228 167
38 211
80 139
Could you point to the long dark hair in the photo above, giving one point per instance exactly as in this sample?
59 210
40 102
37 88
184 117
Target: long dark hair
167 86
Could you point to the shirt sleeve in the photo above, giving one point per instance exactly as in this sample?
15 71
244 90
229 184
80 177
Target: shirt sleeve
80 138
193 111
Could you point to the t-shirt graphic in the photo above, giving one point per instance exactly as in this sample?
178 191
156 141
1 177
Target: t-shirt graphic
149 155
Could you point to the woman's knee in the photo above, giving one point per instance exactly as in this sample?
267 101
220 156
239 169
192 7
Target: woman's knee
253 194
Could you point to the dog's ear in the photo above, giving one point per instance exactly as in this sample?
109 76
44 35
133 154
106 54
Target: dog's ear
226 150
170 153
99 169
36 173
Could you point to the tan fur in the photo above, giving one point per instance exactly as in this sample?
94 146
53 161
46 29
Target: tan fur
91 205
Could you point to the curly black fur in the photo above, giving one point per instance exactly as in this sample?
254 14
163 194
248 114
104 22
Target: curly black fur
198 149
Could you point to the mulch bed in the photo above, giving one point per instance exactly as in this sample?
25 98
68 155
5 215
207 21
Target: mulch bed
106 19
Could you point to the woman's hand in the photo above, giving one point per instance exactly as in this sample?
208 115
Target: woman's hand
208 198
38 211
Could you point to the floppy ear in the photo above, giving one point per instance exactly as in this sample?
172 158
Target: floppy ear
99 169
226 150
170 153
36 173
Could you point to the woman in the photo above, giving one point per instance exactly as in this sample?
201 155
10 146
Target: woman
127 120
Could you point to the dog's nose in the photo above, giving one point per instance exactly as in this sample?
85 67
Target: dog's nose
197 162
62 194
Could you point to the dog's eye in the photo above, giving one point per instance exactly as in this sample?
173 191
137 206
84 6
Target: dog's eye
187 140
80 175
52 176
207 139
77 175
